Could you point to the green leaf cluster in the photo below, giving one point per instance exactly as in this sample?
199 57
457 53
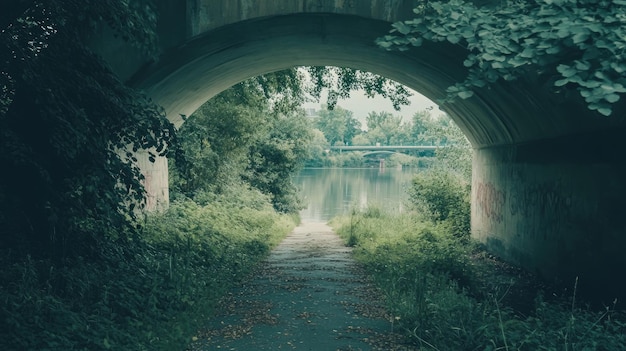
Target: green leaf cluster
578 44
340 81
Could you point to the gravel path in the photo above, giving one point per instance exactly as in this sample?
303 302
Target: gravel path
308 295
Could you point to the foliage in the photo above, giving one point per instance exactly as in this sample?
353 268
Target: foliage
276 157
150 294
440 196
215 140
434 289
426 129
338 125
317 149
340 81
456 155
65 123
385 128
288 89
442 192
243 134
281 92
577 44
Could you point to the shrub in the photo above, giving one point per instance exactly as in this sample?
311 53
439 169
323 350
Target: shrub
436 297
441 196
148 293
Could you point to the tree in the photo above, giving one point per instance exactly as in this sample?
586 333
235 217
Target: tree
419 126
375 119
442 192
242 136
67 184
317 149
277 156
403 135
391 128
353 128
384 127
362 140
577 44
456 156
338 125
214 141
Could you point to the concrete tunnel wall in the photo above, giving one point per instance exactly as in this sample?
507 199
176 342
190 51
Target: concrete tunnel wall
548 189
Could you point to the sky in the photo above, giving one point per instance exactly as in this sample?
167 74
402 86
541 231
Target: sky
361 105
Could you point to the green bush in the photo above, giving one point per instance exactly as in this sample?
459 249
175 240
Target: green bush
148 293
434 291
442 196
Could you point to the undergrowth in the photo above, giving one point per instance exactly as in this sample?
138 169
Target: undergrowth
434 289
147 293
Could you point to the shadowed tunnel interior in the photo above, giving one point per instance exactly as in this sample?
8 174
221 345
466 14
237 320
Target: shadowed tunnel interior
540 198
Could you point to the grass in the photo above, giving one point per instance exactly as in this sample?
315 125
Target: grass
446 294
150 293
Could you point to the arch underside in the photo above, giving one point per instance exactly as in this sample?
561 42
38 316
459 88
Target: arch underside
509 113
538 188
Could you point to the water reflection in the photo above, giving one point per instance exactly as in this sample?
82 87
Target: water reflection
331 192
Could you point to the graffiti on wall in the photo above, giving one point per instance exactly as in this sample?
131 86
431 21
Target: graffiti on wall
149 191
547 203
546 199
490 201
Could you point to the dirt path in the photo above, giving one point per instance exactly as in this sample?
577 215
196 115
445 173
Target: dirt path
308 295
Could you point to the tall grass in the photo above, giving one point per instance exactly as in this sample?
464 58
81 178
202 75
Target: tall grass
433 288
150 293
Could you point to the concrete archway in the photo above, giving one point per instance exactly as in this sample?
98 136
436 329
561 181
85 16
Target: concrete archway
548 188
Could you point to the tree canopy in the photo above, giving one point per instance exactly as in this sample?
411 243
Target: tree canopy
338 125
251 135
578 44
341 81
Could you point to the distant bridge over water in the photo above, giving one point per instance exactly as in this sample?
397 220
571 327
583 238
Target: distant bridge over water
387 149
396 148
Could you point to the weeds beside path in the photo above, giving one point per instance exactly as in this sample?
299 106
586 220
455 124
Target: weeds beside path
447 294
308 295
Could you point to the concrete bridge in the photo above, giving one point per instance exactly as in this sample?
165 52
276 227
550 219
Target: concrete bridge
397 148
540 197
387 150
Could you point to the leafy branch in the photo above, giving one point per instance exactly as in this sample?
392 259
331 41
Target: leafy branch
578 43
340 81
64 117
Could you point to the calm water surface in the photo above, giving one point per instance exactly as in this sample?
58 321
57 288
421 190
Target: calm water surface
335 191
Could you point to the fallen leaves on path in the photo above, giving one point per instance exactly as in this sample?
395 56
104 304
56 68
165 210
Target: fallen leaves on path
313 291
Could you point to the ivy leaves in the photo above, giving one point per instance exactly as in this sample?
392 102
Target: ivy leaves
578 43
64 117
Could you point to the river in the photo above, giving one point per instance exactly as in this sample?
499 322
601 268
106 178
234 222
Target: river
330 192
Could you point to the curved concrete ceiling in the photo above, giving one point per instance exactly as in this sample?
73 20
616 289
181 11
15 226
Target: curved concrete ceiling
189 75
